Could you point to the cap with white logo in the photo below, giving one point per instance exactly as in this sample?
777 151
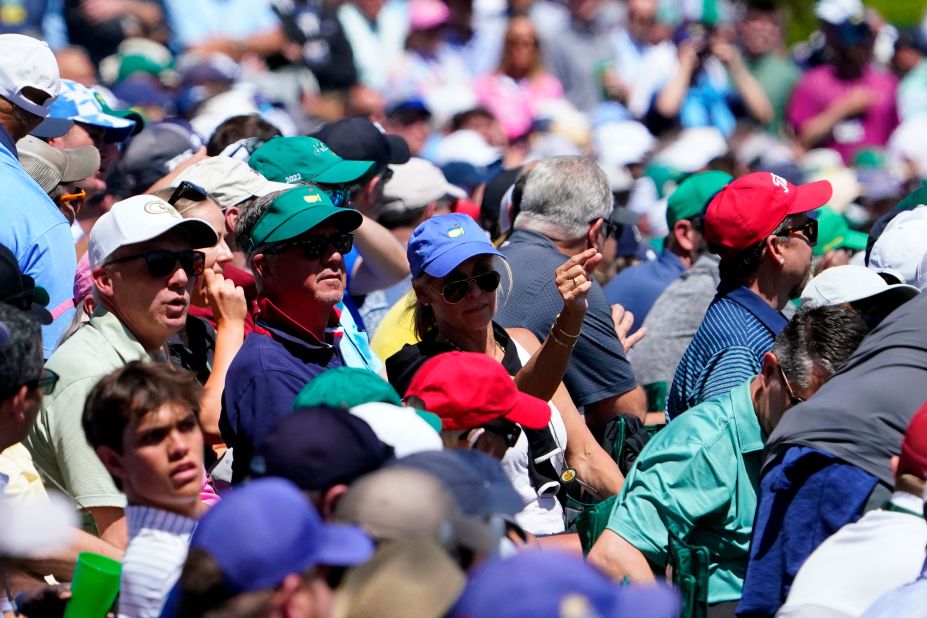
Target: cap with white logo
141 218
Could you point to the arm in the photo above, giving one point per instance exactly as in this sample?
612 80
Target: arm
811 132
599 413
61 564
755 98
669 100
229 307
150 14
618 559
383 260
542 375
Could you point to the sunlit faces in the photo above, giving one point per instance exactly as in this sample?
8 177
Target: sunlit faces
475 309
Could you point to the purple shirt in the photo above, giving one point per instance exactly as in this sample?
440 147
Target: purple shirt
820 87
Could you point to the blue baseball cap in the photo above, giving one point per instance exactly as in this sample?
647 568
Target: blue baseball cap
442 243
552 584
78 103
267 529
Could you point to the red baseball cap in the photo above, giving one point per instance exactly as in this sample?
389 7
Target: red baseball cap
913 458
467 389
748 209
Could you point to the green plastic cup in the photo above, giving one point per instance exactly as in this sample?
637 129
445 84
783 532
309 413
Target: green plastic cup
94 587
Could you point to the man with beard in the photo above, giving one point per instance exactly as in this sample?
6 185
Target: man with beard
638 287
759 226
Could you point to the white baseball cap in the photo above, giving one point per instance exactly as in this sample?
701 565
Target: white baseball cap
849 283
142 218
838 11
901 247
26 62
230 181
401 428
50 166
416 184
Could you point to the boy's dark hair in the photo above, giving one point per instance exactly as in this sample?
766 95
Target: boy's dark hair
21 354
239 127
132 392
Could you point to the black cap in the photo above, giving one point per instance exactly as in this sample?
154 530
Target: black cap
20 291
319 447
358 139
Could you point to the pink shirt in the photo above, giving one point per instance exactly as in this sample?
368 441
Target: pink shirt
516 103
820 87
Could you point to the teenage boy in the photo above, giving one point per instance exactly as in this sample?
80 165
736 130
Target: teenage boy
142 421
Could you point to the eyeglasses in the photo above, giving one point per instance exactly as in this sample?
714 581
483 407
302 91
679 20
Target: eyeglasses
793 398
314 247
386 175
47 382
75 200
456 291
340 197
163 263
510 433
189 191
808 229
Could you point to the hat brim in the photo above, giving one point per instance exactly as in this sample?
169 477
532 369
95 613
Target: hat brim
81 163
40 314
52 127
530 412
199 233
343 172
345 219
398 150
811 196
442 265
896 294
854 241
343 545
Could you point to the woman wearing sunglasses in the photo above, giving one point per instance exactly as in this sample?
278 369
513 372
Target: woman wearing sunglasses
456 280
207 346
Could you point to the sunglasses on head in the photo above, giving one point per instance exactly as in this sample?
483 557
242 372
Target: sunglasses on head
186 190
456 291
314 247
808 229
163 263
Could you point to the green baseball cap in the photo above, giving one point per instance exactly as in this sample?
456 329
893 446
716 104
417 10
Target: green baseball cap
347 387
297 211
692 195
834 233
915 198
299 159
128 114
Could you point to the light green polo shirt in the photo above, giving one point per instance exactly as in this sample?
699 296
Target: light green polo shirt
698 477
57 442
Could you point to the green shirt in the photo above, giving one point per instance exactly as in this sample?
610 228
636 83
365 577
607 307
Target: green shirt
698 477
777 76
57 442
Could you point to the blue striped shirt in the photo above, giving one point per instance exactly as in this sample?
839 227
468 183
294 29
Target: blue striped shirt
738 329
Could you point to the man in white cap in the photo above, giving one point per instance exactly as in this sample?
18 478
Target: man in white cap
864 289
143 260
33 229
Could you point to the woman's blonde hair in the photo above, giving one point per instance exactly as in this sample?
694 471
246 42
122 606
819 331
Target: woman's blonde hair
505 62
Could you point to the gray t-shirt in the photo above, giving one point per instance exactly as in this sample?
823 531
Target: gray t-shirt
860 415
673 320
598 368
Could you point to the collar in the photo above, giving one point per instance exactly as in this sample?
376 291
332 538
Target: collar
903 502
530 237
672 260
6 140
153 518
749 432
749 300
120 337
284 328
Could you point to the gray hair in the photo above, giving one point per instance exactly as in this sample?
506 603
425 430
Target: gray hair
562 196
251 211
21 357
818 340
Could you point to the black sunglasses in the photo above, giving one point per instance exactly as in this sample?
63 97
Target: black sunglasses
510 433
315 246
189 191
808 229
455 291
47 382
163 263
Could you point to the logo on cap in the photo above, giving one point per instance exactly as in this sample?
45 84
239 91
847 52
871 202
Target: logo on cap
455 231
313 198
160 208
780 182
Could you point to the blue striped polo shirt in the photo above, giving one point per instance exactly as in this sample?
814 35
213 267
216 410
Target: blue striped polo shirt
738 329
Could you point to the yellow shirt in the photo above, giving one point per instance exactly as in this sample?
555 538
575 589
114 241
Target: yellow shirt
396 329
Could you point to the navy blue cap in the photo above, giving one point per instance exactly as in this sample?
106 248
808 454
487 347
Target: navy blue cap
440 244
552 584
318 448
267 529
467 175
477 481
358 139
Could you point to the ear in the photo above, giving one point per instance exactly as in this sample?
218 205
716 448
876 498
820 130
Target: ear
231 218
15 404
893 464
420 294
112 461
262 266
774 250
682 234
283 596
769 369
103 279
595 230
330 500
90 305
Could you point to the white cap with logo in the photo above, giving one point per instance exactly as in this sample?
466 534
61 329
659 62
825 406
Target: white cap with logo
26 62
141 218
416 184
850 283
230 181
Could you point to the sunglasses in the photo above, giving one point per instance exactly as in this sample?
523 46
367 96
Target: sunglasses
186 190
509 434
808 229
314 247
46 382
340 197
75 200
456 291
793 398
163 263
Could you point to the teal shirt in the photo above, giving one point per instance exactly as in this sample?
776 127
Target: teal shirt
698 477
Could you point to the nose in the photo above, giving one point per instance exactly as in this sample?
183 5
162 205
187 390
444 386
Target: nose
178 447
179 278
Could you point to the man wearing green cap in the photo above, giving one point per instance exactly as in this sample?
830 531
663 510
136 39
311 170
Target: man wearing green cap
296 243
836 241
637 288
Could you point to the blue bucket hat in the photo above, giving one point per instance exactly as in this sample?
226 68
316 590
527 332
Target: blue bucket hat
442 243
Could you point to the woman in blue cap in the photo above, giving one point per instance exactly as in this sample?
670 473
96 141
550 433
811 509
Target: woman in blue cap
456 280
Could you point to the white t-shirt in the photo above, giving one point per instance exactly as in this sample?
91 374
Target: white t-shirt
859 563
540 515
